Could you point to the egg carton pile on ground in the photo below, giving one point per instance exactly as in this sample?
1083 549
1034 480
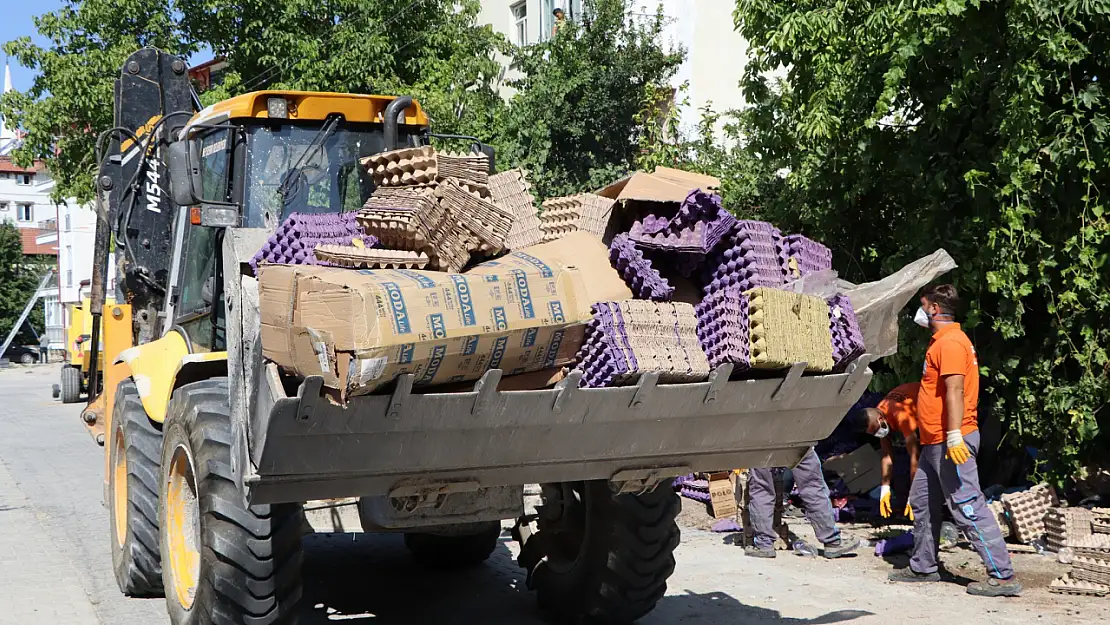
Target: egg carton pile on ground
1074 527
628 339
295 240
692 487
1067 585
1027 510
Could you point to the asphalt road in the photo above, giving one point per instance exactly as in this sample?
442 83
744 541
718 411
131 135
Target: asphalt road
55 564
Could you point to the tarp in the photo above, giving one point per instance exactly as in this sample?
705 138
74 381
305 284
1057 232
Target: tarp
878 304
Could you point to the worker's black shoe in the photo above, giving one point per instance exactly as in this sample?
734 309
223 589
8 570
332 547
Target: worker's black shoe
995 588
909 575
759 552
840 547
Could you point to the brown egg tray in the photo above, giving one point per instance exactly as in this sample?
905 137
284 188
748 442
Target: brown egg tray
370 258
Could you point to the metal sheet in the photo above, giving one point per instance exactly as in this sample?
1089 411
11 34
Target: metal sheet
315 449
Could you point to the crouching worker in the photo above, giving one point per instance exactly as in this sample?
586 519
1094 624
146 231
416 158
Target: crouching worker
894 422
815 497
947 423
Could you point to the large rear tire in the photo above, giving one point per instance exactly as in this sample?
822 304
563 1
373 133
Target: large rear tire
607 557
71 384
454 551
225 562
136 446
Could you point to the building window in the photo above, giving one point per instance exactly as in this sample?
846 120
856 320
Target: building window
25 212
24 179
520 22
69 277
67 219
3 207
5 176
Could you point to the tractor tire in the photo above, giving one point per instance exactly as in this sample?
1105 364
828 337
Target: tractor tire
609 557
71 385
133 495
454 551
225 561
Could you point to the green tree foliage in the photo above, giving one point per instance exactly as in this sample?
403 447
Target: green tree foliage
70 102
976 126
432 49
576 120
19 276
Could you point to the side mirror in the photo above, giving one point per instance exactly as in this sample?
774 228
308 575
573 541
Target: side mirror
184 175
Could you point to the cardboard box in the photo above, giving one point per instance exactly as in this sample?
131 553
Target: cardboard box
861 469
662 185
722 495
360 329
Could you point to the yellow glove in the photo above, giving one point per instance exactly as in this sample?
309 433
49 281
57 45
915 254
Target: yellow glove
909 512
884 501
957 448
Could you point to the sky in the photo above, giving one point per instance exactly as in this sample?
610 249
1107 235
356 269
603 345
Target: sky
18 21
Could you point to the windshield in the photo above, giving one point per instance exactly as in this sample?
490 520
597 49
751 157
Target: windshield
327 181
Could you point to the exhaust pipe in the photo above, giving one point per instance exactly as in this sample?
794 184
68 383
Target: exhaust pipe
393 110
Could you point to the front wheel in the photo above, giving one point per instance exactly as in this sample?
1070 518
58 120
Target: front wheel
607 557
223 561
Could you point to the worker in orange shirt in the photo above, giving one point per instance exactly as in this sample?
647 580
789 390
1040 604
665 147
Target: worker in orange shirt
947 423
894 418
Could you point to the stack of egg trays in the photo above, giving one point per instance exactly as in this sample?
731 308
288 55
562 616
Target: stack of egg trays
295 240
510 190
699 225
404 167
369 258
402 218
847 339
1074 527
695 489
1092 569
808 255
637 271
1027 510
723 329
487 222
788 328
750 256
627 339
584 211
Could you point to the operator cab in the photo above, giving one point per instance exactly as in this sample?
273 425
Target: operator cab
252 160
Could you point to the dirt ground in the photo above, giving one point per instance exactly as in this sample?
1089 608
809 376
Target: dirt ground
963 565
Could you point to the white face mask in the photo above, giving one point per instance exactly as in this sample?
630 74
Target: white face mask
921 318
883 430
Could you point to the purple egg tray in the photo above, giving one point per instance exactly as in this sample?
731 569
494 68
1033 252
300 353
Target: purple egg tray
645 281
751 256
723 328
627 339
698 227
696 495
844 326
294 241
809 256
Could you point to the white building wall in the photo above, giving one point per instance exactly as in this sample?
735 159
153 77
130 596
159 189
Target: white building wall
715 52
76 232
14 196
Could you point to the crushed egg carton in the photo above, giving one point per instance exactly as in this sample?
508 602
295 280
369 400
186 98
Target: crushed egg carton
585 211
1067 585
788 328
404 167
369 258
627 339
486 221
999 511
294 241
510 190
1091 569
1101 526
452 244
723 328
472 168
1027 510
701 224
638 272
847 339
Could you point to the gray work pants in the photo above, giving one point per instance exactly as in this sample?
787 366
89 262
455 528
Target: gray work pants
811 488
939 480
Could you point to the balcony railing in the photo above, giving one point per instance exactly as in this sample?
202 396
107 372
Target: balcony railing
49 224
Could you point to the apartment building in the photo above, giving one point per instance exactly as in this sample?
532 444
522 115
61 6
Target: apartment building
715 52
